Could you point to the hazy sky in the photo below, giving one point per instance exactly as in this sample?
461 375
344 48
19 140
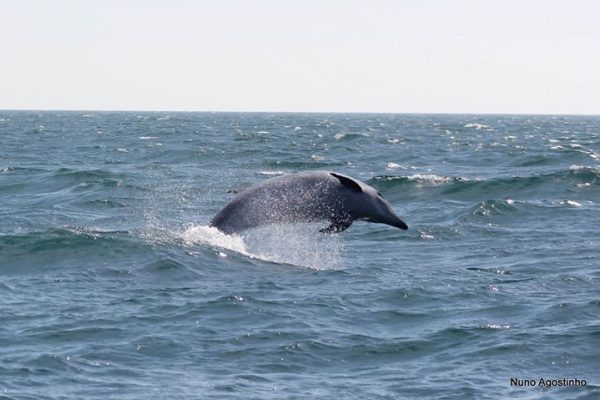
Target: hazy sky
367 56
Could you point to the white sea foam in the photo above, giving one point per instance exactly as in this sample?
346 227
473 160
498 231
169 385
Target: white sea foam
214 237
431 179
425 236
294 244
148 137
575 167
393 165
271 173
495 326
477 126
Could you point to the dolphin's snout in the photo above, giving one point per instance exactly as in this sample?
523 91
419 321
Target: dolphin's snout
389 217
400 224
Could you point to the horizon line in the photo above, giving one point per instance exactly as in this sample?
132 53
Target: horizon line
292 112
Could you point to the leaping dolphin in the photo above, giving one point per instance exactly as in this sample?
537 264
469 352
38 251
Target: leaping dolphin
306 197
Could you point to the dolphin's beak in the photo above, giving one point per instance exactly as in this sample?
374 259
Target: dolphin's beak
398 223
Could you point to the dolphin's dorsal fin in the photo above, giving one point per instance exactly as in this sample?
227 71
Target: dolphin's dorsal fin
344 180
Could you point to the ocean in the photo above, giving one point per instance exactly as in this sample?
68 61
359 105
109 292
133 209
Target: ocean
113 286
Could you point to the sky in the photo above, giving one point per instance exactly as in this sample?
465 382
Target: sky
419 56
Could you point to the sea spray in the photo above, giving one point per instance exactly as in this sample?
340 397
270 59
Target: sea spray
209 235
297 244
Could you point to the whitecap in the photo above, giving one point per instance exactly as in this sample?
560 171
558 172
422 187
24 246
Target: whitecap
495 326
425 236
271 173
432 179
477 126
576 167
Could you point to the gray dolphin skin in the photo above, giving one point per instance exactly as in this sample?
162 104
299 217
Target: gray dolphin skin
306 197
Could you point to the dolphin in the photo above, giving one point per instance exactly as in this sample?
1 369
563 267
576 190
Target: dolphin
306 197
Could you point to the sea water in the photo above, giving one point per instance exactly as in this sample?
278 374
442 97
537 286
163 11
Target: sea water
113 286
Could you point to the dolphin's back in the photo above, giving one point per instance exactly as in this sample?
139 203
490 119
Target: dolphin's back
302 197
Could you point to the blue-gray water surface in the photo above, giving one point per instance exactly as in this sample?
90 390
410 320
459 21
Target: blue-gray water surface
112 285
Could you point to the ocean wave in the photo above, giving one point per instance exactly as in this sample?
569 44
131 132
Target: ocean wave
349 136
67 186
416 179
478 126
103 204
11 169
317 162
56 245
493 207
393 165
85 174
509 209
272 173
578 177
67 177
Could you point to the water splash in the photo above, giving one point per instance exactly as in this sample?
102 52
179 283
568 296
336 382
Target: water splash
296 244
212 236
